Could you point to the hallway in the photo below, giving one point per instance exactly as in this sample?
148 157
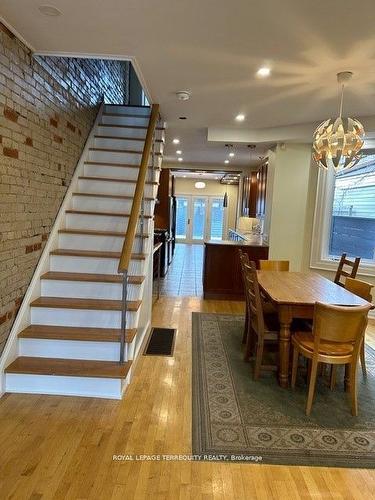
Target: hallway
184 277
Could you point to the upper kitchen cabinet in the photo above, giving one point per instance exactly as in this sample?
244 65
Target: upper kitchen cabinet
261 190
254 193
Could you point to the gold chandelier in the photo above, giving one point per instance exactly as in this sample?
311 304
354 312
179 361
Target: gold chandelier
337 142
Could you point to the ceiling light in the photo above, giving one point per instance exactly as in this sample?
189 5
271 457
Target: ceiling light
184 176
176 141
240 117
182 117
49 10
200 185
179 152
337 142
183 95
263 72
231 155
226 161
180 159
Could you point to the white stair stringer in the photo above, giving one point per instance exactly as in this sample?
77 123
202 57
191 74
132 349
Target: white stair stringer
66 337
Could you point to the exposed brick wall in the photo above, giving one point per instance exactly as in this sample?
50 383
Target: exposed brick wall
47 108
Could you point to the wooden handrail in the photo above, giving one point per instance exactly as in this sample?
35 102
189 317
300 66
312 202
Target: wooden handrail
138 194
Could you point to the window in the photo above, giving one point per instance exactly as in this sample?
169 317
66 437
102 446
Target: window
345 216
353 212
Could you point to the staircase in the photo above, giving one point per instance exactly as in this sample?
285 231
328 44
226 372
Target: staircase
72 330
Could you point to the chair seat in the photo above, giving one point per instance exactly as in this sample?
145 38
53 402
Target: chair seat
306 340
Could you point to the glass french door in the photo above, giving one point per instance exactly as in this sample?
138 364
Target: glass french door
199 218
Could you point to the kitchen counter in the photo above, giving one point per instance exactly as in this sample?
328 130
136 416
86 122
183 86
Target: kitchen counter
251 241
221 268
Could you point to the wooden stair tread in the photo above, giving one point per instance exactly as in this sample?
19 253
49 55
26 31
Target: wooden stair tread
76 333
113 164
127 126
100 195
94 253
98 233
112 179
111 214
126 115
69 367
98 136
128 151
92 304
91 277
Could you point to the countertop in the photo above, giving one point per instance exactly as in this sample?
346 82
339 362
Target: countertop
251 241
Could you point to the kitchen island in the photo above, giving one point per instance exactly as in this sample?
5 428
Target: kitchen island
221 266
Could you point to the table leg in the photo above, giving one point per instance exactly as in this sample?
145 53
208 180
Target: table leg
285 319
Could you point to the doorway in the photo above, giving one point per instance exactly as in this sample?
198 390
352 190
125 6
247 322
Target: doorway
200 218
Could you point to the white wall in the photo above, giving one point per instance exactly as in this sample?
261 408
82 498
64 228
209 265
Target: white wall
287 203
213 188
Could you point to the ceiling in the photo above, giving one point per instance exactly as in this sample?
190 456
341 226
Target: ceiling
213 48
207 175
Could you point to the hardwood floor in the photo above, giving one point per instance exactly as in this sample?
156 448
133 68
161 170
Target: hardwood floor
62 447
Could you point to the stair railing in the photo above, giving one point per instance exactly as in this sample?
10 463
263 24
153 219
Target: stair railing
136 213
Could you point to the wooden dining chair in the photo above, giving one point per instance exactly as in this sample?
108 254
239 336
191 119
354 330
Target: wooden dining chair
274 265
244 261
336 339
351 265
264 326
363 290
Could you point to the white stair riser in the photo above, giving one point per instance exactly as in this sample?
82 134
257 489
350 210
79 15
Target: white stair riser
69 386
100 222
110 143
124 143
115 188
90 242
92 203
137 133
57 316
126 120
129 110
116 157
127 173
88 290
69 349
69 264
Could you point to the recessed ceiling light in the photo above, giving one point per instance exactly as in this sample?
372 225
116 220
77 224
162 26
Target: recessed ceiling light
182 117
180 159
264 71
49 10
176 141
184 176
179 152
240 117
226 161
231 155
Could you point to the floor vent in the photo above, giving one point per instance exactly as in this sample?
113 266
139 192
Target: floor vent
160 342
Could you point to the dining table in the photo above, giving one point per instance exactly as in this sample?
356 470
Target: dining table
293 295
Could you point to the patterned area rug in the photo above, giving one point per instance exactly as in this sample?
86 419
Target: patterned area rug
235 418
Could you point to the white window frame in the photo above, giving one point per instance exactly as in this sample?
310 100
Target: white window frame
320 258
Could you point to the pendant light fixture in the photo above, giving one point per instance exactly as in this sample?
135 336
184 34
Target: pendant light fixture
225 201
337 142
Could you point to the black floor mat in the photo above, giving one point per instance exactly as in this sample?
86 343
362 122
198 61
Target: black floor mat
160 342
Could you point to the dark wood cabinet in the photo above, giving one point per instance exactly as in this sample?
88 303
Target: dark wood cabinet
261 191
162 207
221 269
249 195
254 193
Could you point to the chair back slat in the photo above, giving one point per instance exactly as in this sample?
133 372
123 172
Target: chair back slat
360 288
255 301
274 265
341 272
339 323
